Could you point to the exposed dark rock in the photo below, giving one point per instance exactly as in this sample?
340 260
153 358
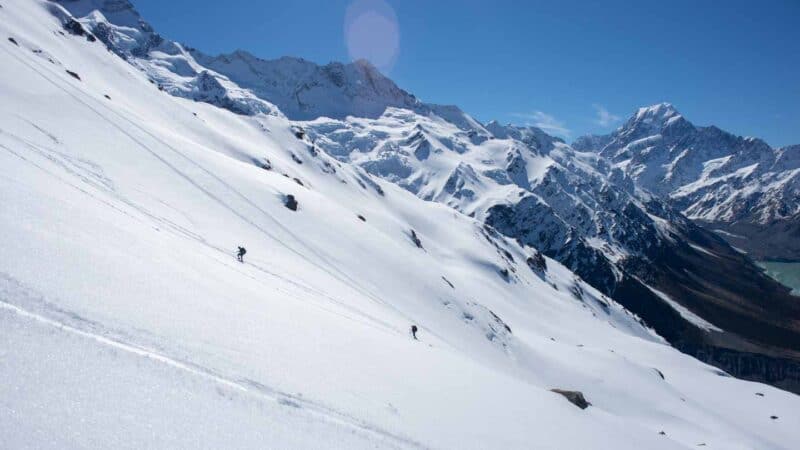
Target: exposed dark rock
291 202
13 41
362 218
759 394
415 239
773 417
780 372
659 373
107 96
500 321
776 240
574 397
448 282
328 167
265 164
296 159
74 75
74 27
537 263
577 291
662 433
297 180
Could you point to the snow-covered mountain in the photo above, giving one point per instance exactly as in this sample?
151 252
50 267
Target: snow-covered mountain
735 184
580 209
128 323
574 206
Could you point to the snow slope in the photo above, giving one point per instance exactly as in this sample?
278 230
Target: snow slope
127 322
573 206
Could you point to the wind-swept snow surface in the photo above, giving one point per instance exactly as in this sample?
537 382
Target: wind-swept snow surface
126 321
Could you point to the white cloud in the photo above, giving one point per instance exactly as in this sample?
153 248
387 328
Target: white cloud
604 118
546 122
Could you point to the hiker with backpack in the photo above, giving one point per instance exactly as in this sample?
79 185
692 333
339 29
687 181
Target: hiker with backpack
240 255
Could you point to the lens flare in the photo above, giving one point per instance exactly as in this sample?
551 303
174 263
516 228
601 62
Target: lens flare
372 33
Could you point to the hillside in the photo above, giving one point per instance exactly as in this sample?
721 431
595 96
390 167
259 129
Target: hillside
129 323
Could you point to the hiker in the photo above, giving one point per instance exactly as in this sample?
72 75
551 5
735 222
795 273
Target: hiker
414 332
240 255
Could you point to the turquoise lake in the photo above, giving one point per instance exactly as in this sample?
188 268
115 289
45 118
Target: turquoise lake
786 273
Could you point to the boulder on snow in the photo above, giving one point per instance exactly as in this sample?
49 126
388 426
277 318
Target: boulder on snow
74 75
574 397
291 202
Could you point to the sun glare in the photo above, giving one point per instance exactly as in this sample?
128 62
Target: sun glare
371 32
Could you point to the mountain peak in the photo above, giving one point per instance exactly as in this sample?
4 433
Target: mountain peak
118 12
658 113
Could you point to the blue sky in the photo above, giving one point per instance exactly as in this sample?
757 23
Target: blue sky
573 67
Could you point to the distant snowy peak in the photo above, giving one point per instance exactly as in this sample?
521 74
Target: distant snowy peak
118 12
166 63
649 125
533 137
247 84
708 173
304 90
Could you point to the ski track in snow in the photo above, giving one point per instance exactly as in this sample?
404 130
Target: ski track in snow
181 231
246 386
342 276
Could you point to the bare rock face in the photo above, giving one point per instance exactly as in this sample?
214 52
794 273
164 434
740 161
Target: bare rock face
574 397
